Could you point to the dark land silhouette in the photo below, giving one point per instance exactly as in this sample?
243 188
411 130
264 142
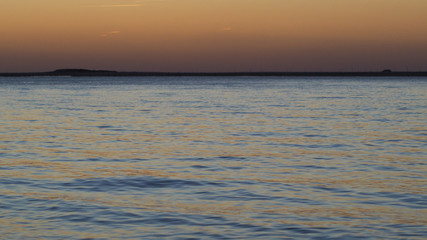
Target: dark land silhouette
108 73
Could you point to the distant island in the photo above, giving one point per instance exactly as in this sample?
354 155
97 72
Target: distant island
108 73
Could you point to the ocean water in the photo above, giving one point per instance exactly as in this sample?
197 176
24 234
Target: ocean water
213 158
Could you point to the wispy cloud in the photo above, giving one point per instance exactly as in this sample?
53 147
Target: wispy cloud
106 34
226 29
137 3
117 5
132 4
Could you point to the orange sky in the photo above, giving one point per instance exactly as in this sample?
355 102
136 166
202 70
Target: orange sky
213 35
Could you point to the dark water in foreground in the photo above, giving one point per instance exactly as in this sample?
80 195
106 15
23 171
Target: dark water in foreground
213 158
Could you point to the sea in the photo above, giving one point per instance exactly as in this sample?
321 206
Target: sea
213 157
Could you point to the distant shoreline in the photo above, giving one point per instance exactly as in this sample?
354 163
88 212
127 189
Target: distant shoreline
106 73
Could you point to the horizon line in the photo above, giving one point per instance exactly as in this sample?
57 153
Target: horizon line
88 72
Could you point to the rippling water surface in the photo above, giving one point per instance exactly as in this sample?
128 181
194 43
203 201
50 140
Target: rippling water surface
213 158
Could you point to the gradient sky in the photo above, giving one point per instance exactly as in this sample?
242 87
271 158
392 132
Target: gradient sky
213 35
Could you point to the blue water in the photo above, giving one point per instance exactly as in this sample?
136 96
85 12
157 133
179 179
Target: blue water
213 158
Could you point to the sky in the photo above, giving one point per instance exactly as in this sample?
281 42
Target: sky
213 35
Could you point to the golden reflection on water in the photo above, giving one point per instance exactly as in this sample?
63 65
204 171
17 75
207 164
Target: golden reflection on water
294 154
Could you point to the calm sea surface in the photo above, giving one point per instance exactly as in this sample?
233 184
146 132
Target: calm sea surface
213 158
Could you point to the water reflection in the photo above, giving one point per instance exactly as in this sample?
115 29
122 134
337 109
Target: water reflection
212 159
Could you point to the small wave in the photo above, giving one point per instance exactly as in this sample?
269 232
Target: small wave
127 184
